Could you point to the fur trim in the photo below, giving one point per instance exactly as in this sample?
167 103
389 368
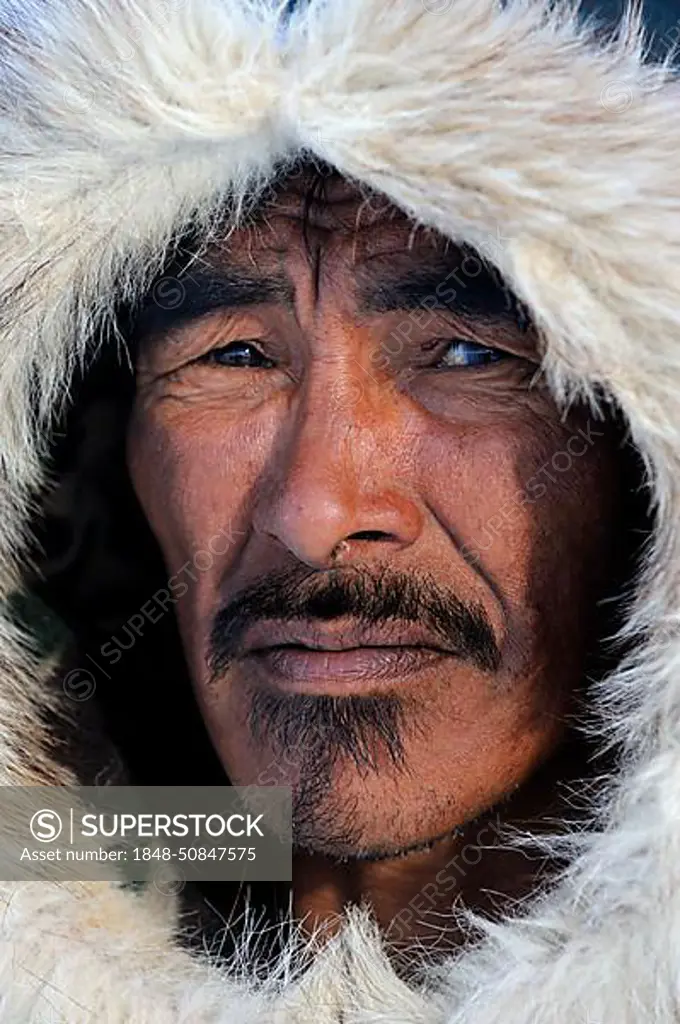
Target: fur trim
510 128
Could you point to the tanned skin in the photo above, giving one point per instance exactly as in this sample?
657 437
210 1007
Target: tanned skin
297 414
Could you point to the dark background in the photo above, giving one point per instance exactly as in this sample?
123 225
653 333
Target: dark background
662 18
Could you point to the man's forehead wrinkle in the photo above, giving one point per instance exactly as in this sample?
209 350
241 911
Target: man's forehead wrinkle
347 212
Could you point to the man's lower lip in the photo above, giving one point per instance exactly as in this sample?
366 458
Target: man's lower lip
339 671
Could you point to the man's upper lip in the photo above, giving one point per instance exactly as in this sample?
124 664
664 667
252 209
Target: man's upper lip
324 638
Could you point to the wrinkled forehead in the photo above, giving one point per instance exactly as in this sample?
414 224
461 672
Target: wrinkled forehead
318 233
315 213
328 202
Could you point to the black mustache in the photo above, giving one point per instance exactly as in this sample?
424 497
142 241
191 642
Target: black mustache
371 599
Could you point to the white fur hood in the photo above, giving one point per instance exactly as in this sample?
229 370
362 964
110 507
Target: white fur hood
507 126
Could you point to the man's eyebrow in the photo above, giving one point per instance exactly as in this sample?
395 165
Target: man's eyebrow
176 300
442 287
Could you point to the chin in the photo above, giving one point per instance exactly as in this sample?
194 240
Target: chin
354 817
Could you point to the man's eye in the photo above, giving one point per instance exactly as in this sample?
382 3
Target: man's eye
237 353
468 353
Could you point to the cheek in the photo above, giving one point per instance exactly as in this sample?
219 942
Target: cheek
161 469
476 477
528 501
190 476
192 472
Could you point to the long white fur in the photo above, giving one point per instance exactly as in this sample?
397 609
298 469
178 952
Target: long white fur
509 127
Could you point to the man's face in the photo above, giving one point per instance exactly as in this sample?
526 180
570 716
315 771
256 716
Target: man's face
417 538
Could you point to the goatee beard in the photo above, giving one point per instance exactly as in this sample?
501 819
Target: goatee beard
318 737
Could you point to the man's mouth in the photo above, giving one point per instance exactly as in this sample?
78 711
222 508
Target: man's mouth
303 658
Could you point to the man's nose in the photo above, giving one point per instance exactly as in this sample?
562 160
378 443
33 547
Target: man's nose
335 483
